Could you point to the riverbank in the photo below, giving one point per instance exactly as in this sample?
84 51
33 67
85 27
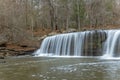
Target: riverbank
15 50
28 46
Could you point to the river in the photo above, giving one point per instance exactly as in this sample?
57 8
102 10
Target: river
59 68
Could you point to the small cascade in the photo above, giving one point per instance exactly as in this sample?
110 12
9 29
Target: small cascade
104 43
112 44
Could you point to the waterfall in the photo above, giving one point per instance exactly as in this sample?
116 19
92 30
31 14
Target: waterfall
87 43
112 44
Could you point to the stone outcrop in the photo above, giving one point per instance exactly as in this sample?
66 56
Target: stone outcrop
4 52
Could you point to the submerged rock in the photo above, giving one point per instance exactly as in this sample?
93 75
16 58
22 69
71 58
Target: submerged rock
2 57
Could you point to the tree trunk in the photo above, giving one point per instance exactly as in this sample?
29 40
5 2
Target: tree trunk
78 14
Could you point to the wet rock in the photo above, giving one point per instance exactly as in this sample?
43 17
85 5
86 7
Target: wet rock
2 55
93 43
4 52
2 58
2 62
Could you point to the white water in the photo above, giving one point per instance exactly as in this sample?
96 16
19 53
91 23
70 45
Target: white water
82 44
112 44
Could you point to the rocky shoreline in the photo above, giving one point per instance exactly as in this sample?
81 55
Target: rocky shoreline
25 47
5 52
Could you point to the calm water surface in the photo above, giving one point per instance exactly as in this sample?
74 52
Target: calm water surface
44 68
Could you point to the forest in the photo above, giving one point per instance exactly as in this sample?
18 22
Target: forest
59 39
24 22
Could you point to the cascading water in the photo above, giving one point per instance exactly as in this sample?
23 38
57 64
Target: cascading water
88 43
112 44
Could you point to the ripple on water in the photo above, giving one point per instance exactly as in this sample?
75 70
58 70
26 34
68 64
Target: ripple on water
67 70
